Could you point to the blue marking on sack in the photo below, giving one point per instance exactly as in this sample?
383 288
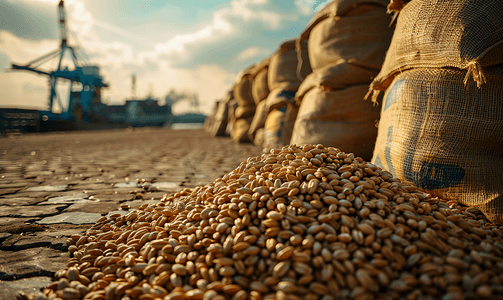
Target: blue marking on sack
387 151
434 176
431 175
282 123
378 162
287 94
394 93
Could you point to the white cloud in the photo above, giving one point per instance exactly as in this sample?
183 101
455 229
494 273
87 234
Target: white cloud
115 30
177 45
307 7
22 50
245 9
252 52
223 24
118 59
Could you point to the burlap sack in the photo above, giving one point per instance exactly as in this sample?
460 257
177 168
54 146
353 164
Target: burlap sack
259 138
244 111
466 34
220 119
280 97
279 126
354 30
232 105
239 133
283 67
258 120
338 118
445 137
339 75
242 91
260 87
303 63
209 121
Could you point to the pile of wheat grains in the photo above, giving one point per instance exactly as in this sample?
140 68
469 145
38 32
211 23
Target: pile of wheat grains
302 222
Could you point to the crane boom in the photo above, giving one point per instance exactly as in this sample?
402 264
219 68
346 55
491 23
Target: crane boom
88 76
62 21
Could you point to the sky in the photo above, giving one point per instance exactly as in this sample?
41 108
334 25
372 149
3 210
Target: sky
192 46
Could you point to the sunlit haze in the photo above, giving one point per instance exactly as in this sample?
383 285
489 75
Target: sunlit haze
196 46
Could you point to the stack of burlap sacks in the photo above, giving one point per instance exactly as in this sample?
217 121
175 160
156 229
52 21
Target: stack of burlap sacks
219 122
442 115
274 121
347 42
311 89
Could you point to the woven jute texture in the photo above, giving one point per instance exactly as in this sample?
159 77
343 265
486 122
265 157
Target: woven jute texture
352 30
278 126
466 34
280 97
243 91
445 137
339 118
220 119
260 87
239 133
303 63
258 120
232 105
283 67
339 75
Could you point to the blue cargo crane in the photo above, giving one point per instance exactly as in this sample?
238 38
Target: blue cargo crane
89 97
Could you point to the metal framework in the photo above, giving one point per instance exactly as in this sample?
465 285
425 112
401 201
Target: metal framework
89 82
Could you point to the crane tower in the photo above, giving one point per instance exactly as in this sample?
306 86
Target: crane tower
82 103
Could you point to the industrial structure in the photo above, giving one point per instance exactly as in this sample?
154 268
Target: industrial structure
85 80
84 109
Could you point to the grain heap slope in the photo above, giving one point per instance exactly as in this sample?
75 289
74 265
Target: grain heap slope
304 222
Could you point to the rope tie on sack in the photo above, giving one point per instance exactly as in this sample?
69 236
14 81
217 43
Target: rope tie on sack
475 71
300 61
373 98
474 67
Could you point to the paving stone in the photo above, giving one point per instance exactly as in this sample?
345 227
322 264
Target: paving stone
164 186
90 186
23 194
103 164
11 176
8 221
156 195
129 190
54 240
30 211
66 199
10 289
128 184
20 201
31 262
16 185
4 235
112 197
9 191
38 174
47 188
93 180
138 203
76 218
88 206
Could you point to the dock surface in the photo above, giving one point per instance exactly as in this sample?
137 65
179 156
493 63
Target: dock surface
54 185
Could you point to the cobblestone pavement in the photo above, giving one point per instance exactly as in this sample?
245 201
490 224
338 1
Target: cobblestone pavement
54 185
